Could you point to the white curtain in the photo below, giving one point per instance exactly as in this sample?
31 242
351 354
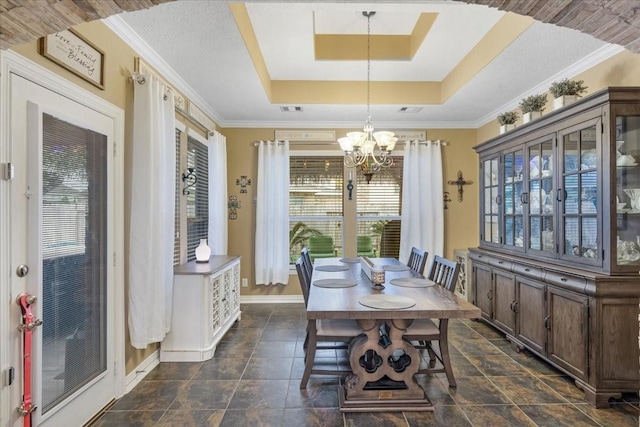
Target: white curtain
422 220
153 172
218 234
272 214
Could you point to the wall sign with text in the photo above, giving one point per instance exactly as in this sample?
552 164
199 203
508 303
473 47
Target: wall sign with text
70 50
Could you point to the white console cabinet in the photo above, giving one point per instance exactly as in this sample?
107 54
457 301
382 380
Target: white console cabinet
206 302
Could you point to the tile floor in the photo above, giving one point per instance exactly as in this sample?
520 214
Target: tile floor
253 380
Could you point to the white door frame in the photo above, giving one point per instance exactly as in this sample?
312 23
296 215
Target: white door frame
12 63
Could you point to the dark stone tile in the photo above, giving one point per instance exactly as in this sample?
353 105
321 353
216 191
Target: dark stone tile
618 415
228 349
280 334
368 419
462 367
286 322
114 418
557 415
263 310
208 394
537 366
251 321
173 371
527 390
448 415
436 390
191 418
481 347
477 390
497 365
319 363
497 415
276 368
221 369
565 386
275 349
150 396
260 394
486 330
312 418
320 393
252 418
243 334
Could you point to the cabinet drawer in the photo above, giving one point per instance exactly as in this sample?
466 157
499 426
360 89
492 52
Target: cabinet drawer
528 271
479 257
574 283
500 263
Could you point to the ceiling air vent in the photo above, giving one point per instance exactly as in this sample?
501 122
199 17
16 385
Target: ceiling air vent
290 109
409 109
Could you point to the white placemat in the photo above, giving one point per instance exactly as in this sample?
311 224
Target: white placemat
350 260
332 267
411 282
395 267
387 302
334 283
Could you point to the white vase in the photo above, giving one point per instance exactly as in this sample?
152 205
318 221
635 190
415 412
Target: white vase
527 117
564 100
203 252
505 128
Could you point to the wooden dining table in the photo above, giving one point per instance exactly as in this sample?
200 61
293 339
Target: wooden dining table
384 315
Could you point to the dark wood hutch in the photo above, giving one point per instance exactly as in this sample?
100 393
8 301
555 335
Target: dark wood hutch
558 265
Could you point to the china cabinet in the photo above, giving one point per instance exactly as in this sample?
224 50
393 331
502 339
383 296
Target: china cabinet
206 302
558 264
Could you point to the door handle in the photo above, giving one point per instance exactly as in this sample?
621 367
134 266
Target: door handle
490 294
547 325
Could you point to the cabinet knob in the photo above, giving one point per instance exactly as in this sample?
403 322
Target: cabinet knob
527 270
546 323
490 294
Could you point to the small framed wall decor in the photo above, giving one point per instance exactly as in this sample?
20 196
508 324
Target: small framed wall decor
70 50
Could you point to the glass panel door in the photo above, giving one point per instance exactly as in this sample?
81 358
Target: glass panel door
513 211
627 190
541 197
580 194
490 209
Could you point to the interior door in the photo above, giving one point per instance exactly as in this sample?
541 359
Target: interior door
61 229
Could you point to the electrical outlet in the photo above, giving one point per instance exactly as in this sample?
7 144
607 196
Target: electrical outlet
245 282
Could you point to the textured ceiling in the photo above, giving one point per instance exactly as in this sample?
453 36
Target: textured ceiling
201 42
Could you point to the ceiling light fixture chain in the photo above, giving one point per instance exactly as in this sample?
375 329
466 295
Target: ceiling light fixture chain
360 147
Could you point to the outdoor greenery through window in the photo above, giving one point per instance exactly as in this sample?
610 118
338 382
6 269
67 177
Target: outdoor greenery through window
315 205
379 208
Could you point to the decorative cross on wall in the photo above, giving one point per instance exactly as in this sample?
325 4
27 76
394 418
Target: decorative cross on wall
234 204
243 181
460 182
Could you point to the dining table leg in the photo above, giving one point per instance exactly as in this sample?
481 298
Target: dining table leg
383 366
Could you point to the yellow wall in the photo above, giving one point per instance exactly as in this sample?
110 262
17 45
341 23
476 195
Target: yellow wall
242 160
622 69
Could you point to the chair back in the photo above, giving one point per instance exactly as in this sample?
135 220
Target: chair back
321 247
307 261
365 246
444 272
417 260
303 279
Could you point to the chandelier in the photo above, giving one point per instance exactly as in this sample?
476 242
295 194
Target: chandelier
360 147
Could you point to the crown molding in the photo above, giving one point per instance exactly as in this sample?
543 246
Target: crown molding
589 61
151 57
348 125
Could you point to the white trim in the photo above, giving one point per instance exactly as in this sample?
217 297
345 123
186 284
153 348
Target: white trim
13 63
151 57
180 126
195 135
142 370
271 299
571 71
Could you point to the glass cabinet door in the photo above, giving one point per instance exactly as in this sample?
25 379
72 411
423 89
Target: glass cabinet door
627 190
512 206
541 197
491 201
580 195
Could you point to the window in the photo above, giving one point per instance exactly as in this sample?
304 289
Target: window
378 210
198 197
315 205
178 193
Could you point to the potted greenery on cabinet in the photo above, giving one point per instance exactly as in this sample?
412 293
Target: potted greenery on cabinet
507 121
566 92
532 107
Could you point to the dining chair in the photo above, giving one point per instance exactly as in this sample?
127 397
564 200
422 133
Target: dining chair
417 260
443 272
307 262
339 332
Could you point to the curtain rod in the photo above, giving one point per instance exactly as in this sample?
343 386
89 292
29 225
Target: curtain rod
256 143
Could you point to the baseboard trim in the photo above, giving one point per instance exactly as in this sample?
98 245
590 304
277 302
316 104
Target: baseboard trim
141 371
271 299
